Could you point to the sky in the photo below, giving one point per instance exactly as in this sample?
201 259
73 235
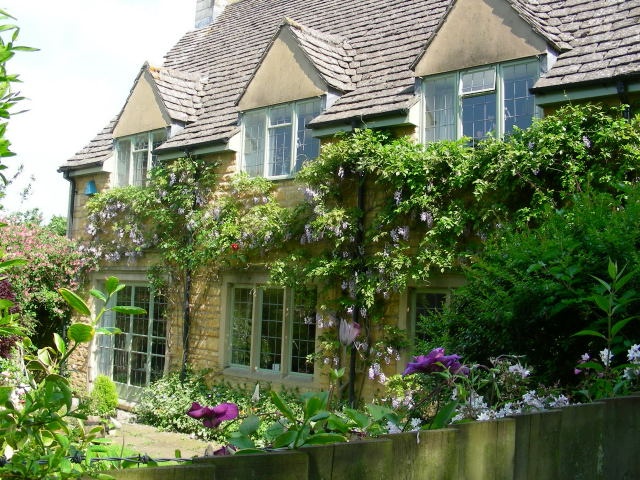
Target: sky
90 54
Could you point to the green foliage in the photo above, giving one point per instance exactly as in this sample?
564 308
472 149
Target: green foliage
164 404
41 433
530 290
185 212
292 430
609 377
8 98
104 397
378 214
54 262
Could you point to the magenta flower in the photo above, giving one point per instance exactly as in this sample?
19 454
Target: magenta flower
349 331
436 361
213 416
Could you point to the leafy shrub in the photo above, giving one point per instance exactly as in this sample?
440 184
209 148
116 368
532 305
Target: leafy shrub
531 290
104 396
165 402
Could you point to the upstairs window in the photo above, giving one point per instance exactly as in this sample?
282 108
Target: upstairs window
480 102
134 157
276 139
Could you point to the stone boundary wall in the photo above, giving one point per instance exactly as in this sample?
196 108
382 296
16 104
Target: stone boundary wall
592 441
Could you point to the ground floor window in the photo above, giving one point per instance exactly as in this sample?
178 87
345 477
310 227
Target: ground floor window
423 303
135 357
272 329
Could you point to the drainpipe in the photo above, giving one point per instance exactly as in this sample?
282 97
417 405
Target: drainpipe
72 199
356 310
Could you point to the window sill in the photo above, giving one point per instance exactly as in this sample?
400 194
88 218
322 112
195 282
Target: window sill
296 379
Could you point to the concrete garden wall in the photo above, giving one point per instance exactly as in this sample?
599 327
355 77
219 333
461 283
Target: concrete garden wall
593 441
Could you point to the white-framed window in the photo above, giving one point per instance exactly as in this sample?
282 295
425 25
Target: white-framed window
276 139
424 302
135 357
271 329
134 157
478 102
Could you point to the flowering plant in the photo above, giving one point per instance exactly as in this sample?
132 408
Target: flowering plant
605 377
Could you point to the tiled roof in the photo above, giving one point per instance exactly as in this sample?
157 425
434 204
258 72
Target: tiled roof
365 48
605 41
96 152
181 92
330 54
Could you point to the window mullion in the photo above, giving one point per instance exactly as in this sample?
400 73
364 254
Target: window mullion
256 326
499 102
287 330
294 138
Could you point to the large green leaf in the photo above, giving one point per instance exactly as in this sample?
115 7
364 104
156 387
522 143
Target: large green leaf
444 415
5 394
112 285
286 439
280 405
127 310
17 262
314 403
59 343
81 332
241 440
108 330
620 325
75 302
250 425
591 333
98 294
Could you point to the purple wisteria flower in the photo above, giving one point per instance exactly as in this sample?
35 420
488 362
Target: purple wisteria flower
349 331
213 416
436 361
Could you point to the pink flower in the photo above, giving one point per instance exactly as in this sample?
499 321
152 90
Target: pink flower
213 416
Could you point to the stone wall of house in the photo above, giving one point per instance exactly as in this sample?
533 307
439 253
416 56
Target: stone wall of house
78 227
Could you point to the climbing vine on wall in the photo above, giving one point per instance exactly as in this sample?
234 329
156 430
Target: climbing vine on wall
381 212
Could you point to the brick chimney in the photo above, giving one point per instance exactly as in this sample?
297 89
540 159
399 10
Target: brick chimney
208 10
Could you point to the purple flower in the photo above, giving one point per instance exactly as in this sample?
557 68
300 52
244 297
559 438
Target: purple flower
436 361
213 416
349 331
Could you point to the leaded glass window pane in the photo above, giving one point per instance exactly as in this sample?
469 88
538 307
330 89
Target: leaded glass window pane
519 104
254 130
478 81
271 318
280 125
479 116
440 96
307 146
241 326
303 336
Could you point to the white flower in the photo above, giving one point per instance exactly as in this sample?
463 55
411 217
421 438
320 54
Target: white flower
634 354
518 369
392 428
606 355
483 416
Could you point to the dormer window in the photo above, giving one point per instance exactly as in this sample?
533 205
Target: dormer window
276 139
479 102
134 157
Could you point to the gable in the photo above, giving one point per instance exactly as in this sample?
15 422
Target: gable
143 110
284 75
493 33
